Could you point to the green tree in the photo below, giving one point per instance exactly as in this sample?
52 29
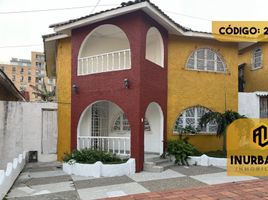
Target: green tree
43 93
223 120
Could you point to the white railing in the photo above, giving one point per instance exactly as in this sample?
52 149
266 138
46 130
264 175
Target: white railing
115 145
111 61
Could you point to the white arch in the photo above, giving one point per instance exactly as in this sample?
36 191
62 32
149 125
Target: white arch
153 141
154 47
106 48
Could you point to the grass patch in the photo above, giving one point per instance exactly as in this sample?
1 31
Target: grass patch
90 156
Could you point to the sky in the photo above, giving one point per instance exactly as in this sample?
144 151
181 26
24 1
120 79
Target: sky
21 32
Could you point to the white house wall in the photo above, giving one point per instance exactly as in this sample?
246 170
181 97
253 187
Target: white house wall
249 104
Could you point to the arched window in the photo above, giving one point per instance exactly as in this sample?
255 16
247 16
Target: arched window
206 59
256 58
121 124
189 119
154 47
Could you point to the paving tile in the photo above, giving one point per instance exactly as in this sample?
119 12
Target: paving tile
41 189
41 169
171 183
68 195
111 191
82 178
196 170
148 176
41 181
102 182
221 177
27 175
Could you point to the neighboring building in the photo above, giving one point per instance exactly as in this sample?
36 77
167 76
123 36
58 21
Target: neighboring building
24 73
8 91
129 89
253 61
253 104
253 81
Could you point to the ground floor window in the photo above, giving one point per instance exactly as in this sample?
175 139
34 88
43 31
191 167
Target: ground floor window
189 119
121 124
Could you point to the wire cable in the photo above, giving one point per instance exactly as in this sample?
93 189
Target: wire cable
55 9
97 4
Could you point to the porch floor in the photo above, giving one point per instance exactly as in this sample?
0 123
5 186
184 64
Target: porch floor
47 181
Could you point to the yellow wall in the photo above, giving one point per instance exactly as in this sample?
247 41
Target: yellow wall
190 88
64 96
255 80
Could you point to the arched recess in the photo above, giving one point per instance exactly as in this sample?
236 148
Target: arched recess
154 47
153 139
106 48
95 131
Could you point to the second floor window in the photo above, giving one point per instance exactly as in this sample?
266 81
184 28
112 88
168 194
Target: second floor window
256 58
206 59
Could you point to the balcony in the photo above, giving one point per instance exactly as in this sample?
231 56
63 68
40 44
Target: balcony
105 49
112 61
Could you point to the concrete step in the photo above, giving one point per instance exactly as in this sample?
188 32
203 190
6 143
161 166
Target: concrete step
166 165
157 164
152 168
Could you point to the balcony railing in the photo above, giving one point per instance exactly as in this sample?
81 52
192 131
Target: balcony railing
115 145
112 61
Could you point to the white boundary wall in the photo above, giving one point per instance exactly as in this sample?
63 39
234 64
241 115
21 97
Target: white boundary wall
21 129
8 176
249 104
99 169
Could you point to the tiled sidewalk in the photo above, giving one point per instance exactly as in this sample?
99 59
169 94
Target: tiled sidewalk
246 190
45 181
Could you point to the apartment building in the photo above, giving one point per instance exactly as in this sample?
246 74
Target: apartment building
24 72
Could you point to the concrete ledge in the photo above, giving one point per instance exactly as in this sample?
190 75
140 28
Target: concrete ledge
205 160
8 176
99 169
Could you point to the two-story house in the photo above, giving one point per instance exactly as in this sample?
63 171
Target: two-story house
130 78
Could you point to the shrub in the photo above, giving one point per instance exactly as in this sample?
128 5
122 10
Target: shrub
181 150
90 156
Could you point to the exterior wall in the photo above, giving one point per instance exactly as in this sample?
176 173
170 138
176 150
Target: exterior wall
21 129
64 96
255 80
191 88
249 104
109 85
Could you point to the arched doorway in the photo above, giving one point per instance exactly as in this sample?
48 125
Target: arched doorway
103 125
154 135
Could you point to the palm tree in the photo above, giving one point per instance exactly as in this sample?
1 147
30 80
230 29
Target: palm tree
43 93
223 120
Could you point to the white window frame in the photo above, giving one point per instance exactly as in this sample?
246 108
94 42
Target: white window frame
217 58
196 121
253 58
121 131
